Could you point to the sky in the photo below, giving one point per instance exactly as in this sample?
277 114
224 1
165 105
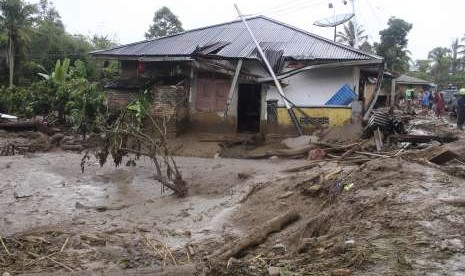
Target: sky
435 23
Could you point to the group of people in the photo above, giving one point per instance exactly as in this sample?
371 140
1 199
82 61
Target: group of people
435 101
428 100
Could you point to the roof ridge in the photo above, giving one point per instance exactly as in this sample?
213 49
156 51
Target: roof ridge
263 17
180 33
318 36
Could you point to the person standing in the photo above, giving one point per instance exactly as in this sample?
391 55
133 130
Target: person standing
440 104
425 100
431 100
461 109
409 93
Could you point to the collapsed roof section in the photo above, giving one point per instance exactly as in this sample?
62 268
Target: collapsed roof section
231 41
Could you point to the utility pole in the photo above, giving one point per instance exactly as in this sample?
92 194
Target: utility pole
355 25
272 74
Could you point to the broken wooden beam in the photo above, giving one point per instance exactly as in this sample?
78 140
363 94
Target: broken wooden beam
301 168
258 236
30 125
411 138
443 157
291 152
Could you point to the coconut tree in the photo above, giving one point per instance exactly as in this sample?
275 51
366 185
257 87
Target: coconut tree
16 18
456 49
441 63
347 36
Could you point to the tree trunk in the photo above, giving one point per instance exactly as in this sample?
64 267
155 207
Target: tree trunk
11 58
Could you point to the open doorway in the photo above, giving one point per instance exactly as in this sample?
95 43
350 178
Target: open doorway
249 107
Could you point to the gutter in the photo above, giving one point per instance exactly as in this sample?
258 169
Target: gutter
326 65
145 58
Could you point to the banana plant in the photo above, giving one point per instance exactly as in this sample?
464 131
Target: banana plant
60 74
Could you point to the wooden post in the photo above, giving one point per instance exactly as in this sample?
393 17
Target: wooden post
294 119
233 87
393 93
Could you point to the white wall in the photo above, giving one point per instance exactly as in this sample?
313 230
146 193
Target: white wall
314 87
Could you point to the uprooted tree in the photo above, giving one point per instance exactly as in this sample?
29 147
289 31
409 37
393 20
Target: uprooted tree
134 133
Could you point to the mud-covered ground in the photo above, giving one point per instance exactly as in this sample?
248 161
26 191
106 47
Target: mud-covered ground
46 195
390 216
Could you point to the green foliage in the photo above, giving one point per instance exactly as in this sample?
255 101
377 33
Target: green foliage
164 23
40 39
456 50
441 63
65 91
367 48
30 101
100 42
16 18
393 45
85 105
140 107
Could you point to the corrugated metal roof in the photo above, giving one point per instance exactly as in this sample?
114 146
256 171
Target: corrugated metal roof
412 80
296 43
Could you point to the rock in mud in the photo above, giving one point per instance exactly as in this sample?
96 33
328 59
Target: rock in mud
342 272
243 176
298 142
56 138
92 239
312 190
274 271
453 245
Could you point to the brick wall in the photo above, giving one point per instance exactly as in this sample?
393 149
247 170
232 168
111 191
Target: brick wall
118 99
170 108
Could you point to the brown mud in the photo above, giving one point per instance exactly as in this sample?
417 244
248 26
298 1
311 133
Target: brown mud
390 216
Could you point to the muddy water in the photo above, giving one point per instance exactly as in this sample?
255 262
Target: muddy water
43 191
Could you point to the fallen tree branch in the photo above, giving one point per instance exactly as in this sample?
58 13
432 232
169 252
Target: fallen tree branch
291 152
258 236
301 168
4 246
30 125
457 202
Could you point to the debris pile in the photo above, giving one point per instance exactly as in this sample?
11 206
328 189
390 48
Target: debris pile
52 250
19 138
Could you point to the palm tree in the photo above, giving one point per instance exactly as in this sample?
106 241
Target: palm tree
456 49
441 63
348 35
16 17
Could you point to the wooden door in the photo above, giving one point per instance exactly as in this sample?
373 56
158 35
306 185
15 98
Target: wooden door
212 94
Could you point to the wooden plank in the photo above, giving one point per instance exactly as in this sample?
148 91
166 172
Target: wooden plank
183 270
378 140
233 87
443 157
422 138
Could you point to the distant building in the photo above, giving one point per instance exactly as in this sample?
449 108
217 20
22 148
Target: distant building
404 82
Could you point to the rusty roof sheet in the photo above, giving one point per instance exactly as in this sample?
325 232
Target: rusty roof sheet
236 43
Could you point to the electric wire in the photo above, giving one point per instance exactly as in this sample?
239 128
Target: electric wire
291 9
295 9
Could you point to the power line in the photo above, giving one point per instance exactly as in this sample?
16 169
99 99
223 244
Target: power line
281 6
375 13
294 9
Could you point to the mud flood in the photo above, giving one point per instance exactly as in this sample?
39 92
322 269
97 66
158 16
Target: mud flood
394 216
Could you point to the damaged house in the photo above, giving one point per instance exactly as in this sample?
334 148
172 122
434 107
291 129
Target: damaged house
213 80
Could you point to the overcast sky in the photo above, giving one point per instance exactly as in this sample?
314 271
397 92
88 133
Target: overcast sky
435 23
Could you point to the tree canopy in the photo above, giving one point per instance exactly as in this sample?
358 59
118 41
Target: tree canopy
164 23
393 45
16 17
